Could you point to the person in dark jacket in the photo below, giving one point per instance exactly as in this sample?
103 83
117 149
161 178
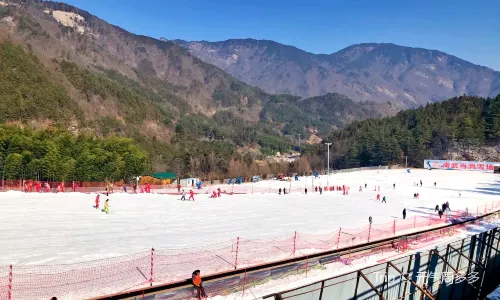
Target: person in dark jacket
370 219
404 213
198 285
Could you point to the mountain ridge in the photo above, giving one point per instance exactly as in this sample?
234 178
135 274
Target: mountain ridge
407 76
189 115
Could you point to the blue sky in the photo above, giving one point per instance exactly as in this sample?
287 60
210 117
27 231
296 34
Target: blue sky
467 29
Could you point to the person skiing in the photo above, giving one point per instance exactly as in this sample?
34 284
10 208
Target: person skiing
106 206
218 192
97 201
316 189
183 197
440 213
365 185
198 285
404 213
214 194
360 189
284 191
394 185
279 191
420 183
437 207
378 197
125 188
320 190
191 195
370 219
305 190
434 184
383 199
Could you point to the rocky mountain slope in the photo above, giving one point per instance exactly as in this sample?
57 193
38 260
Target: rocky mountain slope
405 76
63 66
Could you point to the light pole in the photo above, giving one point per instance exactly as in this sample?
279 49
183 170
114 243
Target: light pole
328 163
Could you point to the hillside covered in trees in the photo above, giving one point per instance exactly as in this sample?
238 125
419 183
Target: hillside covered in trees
459 125
58 155
99 80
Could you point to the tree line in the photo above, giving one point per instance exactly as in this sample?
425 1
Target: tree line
430 132
58 155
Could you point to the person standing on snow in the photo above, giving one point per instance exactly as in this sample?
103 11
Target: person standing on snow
370 219
198 285
191 195
106 206
218 192
183 197
404 213
97 201
383 199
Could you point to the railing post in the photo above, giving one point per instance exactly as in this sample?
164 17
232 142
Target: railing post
307 264
394 228
152 267
338 238
9 291
294 242
244 281
236 258
369 231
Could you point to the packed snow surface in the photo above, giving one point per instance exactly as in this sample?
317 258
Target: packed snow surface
65 228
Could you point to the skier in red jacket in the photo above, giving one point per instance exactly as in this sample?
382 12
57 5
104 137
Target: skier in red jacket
191 195
97 201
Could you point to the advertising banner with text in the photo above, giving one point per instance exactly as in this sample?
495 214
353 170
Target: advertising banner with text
460 165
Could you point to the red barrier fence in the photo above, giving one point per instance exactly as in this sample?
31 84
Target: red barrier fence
156 266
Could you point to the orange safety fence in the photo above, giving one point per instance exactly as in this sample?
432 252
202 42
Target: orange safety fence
156 266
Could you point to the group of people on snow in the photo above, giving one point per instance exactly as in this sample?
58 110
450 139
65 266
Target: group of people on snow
445 206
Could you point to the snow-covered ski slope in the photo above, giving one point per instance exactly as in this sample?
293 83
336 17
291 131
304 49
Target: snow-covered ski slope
65 228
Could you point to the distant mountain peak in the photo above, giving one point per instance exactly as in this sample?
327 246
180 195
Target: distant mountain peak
406 76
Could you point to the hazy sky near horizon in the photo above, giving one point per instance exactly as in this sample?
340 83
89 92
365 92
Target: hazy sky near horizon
467 29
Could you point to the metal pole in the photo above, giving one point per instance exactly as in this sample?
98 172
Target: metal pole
406 164
328 166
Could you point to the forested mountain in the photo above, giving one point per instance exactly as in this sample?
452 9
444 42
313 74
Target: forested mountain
451 129
406 76
62 67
